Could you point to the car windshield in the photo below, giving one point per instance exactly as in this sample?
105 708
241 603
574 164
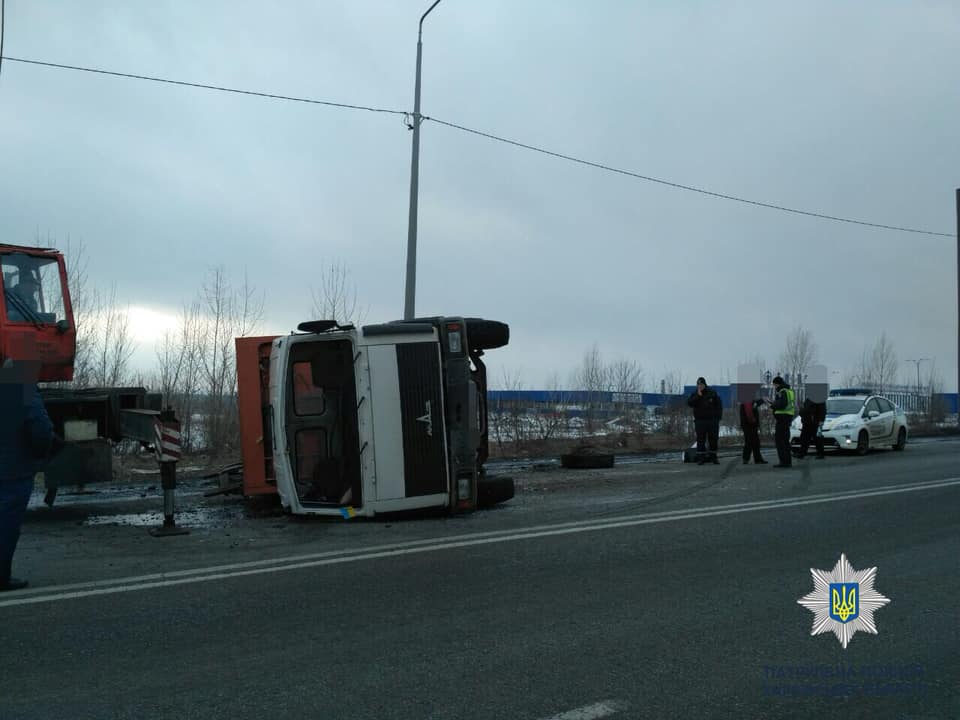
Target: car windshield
843 406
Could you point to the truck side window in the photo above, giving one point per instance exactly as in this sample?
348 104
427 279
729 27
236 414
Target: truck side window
308 399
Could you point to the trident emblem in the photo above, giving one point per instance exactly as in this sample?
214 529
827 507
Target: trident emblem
844 605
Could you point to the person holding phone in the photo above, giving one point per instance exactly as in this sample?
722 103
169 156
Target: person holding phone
707 411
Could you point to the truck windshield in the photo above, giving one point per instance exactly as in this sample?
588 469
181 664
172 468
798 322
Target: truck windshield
32 291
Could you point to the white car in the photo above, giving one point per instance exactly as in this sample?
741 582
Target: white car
859 422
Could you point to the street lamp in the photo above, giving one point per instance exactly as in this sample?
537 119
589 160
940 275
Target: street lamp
917 363
411 285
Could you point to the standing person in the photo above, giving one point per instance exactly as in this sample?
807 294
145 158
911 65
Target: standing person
750 425
812 414
26 437
784 408
707 411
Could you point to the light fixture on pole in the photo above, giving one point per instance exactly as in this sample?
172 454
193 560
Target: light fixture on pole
917 363
411 282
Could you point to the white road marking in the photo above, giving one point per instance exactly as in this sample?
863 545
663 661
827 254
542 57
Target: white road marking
336 557
591 712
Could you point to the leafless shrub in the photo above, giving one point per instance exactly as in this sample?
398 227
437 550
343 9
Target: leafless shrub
336 298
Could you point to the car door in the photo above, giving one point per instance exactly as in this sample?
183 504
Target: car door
888 415
873 418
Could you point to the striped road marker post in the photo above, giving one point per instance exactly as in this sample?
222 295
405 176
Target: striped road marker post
167 446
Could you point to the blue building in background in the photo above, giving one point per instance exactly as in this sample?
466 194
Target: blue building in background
572 400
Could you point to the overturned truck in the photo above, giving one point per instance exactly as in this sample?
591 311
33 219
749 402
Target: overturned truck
349 421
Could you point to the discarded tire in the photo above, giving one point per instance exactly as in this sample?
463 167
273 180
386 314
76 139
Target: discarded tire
587 461
493 490
486 334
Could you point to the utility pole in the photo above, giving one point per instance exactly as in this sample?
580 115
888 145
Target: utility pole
411 284
917 363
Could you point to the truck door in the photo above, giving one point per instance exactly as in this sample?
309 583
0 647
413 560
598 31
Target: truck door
320 423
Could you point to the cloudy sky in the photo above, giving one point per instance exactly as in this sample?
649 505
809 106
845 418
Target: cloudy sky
847 109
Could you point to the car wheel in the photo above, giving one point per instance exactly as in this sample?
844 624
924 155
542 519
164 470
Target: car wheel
901 439
863 443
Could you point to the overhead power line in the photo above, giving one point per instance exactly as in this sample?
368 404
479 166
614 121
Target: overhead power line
680 186
204 86
480 133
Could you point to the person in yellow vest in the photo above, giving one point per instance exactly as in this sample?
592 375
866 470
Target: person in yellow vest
784 408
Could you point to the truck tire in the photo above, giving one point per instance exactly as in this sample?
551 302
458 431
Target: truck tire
587 461
493 490
486 334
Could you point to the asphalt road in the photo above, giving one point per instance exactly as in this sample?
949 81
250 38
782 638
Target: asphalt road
654 591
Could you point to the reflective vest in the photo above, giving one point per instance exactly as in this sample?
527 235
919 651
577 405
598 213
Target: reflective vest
791 408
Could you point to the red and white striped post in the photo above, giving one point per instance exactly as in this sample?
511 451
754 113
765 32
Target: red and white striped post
167 446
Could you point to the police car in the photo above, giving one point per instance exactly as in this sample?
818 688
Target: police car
859 422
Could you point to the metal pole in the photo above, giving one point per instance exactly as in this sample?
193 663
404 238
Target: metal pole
958 306
409 302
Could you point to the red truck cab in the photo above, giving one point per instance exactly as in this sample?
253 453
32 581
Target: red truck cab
37 330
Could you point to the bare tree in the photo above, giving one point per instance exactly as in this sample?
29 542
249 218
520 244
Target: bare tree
592 375
878 366
799 353
226 313
884 363
84 301
110 342
506 417
672 383
674 416
336 298
593 379
178 370
626 378
551 420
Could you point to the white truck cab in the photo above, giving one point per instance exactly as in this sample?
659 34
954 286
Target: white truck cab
383 418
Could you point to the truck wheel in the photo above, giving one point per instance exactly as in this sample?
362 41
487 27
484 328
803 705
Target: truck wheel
486 334
493 490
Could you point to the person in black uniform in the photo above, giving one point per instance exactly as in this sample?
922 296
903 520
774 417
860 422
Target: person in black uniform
707 411
750 425
812 414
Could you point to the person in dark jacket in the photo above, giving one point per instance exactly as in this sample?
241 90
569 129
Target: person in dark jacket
784 409
812 414
707 411
750 425
26 437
